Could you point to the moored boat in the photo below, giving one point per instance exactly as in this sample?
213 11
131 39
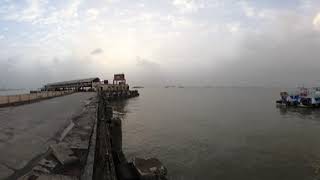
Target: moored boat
302 97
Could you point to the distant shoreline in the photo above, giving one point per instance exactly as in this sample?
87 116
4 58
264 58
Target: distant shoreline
12 89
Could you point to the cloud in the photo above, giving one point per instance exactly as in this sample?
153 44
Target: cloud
142 62
248 10
188 6
184 39
112 1
64 16
33 10
96 51
233 27
284 54
316 21
92 14
18 72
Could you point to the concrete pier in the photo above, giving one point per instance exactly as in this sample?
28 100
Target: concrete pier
27 131
70 137
29 98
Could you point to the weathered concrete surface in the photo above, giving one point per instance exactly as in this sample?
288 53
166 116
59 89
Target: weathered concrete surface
27 131
56 177
4 171
63 153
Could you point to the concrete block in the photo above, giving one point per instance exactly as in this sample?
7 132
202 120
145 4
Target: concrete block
5 172
63 153
56 177
33 96
24 97
149 168
49 164
3 99
14 98
40 169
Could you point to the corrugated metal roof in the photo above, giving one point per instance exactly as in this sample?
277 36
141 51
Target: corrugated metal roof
89 80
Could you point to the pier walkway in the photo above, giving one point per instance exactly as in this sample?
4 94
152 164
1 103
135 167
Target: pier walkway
27 131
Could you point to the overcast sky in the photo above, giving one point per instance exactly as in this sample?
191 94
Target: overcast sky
161 42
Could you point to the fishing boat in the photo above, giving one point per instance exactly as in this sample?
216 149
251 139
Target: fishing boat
302 97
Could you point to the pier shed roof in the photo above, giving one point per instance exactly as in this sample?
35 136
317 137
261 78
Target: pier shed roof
73 83
88 80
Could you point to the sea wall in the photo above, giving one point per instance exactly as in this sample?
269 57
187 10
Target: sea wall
110 162
27 98
118 95
90 147
104 166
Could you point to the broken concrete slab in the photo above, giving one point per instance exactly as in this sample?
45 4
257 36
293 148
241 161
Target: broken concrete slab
40 169
66 131
56 177
28 176
63 153
49 164
76 142
5 172
149 168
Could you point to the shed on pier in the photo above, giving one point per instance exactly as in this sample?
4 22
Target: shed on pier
79 84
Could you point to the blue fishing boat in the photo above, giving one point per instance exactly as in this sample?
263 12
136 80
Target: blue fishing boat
302 97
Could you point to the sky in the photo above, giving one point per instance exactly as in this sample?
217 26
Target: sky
161 42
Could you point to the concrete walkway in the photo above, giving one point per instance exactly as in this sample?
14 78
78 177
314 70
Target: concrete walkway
27 131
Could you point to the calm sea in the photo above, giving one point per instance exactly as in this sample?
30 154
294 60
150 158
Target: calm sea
222 133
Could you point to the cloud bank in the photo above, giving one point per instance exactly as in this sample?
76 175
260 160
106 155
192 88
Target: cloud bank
194 42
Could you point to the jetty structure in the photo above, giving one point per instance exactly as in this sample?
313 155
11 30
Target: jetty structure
69 133
75 85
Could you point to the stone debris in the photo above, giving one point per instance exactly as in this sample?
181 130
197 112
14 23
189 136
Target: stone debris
76 142
29 176
4 171
63 153
56 177
149 168
49 164
40 169
45 166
